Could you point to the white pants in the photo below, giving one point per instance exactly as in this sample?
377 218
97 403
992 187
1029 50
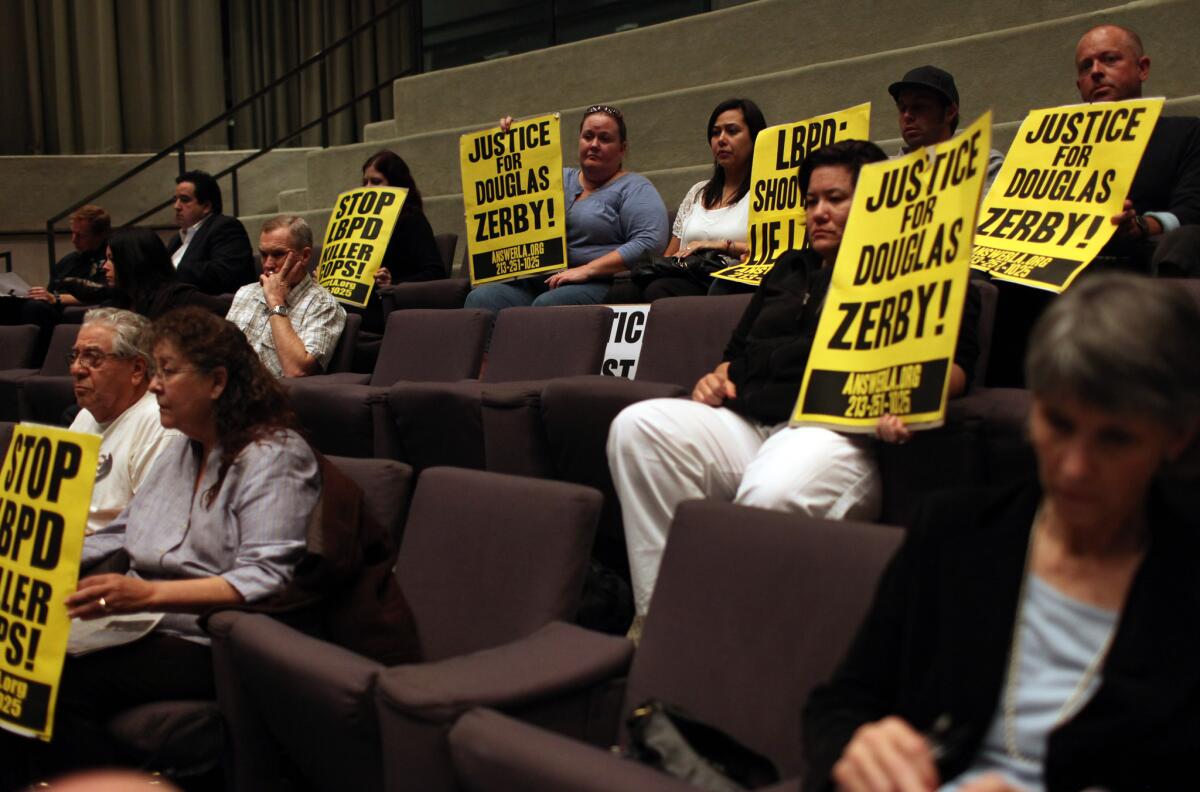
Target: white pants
664 451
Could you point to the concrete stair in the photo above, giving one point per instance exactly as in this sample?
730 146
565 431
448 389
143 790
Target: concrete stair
794 60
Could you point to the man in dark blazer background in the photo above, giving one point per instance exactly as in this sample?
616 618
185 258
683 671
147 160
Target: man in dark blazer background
211 251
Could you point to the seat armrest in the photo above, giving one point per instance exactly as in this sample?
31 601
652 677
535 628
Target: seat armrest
491 751
313 698
558 659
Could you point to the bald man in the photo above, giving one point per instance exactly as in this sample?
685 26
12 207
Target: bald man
1159 230
1111 65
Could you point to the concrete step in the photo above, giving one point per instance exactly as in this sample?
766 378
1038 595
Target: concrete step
734 43
57 181
293 200
379 130
667 129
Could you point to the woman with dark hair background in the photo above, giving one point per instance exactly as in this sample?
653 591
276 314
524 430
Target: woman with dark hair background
412 254
715 213
142 279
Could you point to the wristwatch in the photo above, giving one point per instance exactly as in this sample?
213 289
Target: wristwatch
278 310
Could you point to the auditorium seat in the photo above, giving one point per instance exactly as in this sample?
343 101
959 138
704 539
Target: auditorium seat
55 365
186 740
347 413
974 445
753 609
446 243
494 423
487 563
684 339
343 353
18 344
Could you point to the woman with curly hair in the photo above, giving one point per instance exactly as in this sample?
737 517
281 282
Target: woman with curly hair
219 521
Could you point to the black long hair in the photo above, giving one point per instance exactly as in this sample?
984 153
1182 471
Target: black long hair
755 123
142 267
395 170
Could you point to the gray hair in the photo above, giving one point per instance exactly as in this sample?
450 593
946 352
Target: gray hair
298 229
1122 343
129 332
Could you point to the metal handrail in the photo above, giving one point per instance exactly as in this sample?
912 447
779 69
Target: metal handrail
179 145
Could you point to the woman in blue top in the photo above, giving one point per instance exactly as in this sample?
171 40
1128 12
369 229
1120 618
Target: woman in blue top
613 216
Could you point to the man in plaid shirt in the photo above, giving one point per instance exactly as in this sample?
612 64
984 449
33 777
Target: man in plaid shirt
292 323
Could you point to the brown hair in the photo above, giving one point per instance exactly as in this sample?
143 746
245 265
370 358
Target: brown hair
252 406
97 219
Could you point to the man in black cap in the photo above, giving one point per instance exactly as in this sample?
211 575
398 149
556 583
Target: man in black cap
927 101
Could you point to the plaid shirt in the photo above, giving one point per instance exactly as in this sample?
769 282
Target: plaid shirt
315 316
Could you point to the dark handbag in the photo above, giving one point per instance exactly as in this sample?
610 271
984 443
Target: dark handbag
697 268
670 740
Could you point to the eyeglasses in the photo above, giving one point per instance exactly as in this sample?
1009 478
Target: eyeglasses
606 109
88 358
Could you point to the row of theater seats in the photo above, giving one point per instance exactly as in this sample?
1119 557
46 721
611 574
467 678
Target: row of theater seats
510 695
536 407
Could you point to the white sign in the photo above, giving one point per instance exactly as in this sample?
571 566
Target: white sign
625 341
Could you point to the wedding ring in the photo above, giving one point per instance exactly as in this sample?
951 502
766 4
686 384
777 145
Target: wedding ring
103 604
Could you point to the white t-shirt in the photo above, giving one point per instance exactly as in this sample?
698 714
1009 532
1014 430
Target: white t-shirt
694 223
128 447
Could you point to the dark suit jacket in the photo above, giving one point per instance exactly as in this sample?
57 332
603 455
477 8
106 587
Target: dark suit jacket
219 259
938 634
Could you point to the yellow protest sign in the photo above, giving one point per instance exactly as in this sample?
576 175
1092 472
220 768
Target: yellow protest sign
1067 173
886 338
45 489
356 241
776 205
513 194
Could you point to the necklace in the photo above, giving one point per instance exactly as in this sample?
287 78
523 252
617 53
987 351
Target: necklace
1074 702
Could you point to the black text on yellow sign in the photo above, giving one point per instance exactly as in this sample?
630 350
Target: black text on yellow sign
1048 214
45 488
776 205
513 195
889 326
356 241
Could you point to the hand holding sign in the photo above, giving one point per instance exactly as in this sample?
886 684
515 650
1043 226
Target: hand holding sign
1060 195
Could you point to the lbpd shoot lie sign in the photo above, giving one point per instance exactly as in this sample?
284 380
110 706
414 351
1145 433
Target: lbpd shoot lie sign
45 489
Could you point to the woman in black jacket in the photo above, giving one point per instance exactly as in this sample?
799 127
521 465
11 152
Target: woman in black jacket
1045 637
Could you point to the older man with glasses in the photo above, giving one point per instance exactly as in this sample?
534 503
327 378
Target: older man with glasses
111 373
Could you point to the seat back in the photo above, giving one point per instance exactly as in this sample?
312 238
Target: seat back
752 609
446 243
428 345
988 295
343 353
489 558
543 343
686 337
386 486
17 346
55 364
